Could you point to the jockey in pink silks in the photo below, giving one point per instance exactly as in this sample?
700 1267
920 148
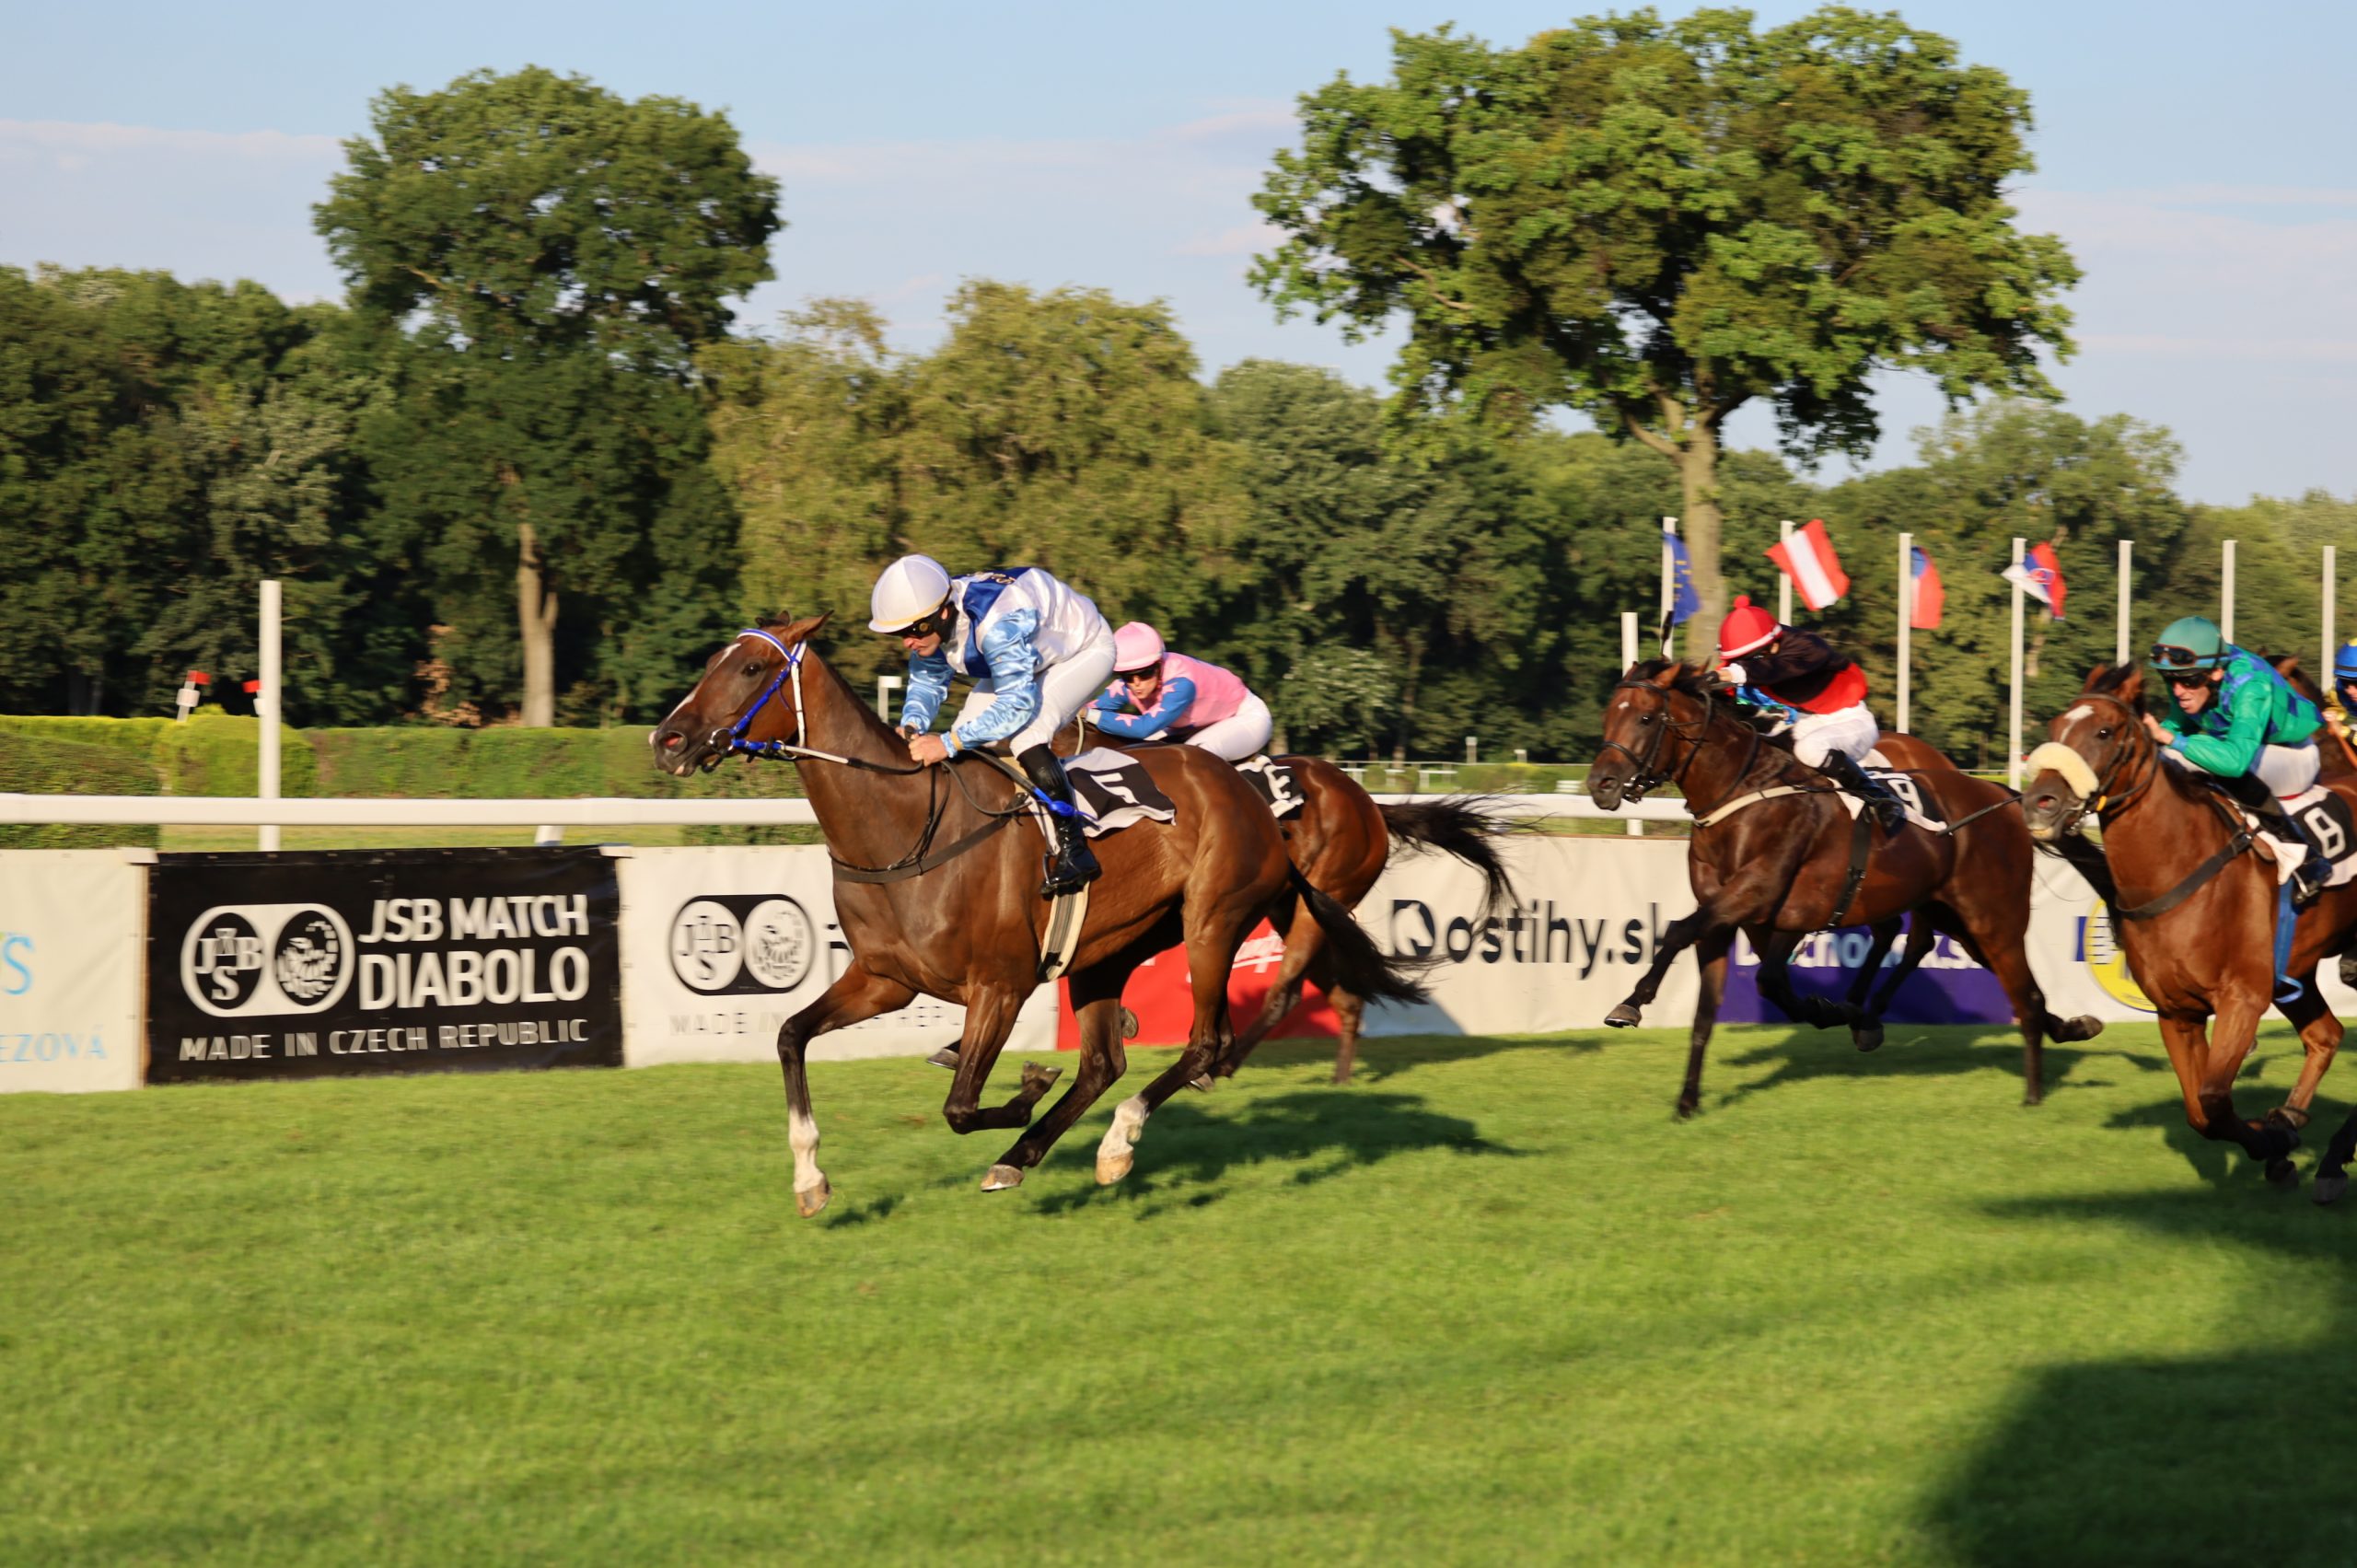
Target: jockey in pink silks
1158 695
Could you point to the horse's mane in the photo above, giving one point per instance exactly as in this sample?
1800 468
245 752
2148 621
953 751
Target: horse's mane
1691 680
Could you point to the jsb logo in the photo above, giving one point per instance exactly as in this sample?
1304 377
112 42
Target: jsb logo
266 959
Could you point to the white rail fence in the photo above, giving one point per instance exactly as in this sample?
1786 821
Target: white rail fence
553 817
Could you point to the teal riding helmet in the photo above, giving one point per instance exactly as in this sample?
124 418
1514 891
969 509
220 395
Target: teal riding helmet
2189 642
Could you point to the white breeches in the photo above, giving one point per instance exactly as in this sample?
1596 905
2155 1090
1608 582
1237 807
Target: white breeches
1852 731
1066 687
2287 770
1240 737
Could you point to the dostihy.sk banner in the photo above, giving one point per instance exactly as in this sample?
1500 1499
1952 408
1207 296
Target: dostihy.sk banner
69 970
381 961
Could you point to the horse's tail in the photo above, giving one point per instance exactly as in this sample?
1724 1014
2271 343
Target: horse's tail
1359 965
1454 826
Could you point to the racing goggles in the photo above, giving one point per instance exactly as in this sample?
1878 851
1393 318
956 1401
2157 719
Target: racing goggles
2170 660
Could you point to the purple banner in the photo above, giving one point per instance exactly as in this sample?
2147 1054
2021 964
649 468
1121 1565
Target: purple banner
1949 988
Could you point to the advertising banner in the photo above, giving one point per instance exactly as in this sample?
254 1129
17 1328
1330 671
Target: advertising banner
1589 917
69 970
722 945
292 966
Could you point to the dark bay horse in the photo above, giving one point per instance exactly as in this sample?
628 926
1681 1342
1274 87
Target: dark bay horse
937 889
2336 757
1778 869
2199 912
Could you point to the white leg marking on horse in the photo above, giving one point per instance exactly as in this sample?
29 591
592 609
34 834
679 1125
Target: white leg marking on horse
1129 1120
802 1135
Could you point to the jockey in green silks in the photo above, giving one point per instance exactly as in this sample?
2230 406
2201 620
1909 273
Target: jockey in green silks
2233 717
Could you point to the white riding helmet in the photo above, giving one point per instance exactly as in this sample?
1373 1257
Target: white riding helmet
910 588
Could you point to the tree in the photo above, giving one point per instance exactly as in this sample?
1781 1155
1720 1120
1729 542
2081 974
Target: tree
1657 224
545 259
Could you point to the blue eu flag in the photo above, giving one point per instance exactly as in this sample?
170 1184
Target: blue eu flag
1683 601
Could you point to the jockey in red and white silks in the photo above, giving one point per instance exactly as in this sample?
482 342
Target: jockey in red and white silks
1160 695
1823 688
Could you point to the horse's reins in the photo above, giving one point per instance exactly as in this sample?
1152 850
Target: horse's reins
2238 832
922 857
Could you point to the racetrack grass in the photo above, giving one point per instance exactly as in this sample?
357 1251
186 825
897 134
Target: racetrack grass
1488 1305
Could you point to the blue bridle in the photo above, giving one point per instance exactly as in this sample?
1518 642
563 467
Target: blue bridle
789 663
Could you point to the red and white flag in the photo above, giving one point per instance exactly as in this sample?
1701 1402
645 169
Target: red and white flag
1808 560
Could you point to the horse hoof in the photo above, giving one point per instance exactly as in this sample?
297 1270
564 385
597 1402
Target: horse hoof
2283 1174
1001 1178
1130 1025
810 1200
1111 1167
1868 1038
2328 1188
2086 1025
1200 1083
1037 1079
1624 1017
1686 1109
946 1057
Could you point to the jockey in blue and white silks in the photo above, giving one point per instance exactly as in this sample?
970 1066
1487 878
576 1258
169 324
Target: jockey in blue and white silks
1036 651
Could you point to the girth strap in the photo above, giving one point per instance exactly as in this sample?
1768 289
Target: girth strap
2193 883
918 867
1860 852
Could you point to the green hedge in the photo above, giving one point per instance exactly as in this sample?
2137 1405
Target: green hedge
38 764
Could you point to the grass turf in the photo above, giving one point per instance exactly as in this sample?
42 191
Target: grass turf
1489 1304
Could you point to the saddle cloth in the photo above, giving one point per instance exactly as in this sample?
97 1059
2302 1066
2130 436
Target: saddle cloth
1114 792
2326 817
1274 783
1922 809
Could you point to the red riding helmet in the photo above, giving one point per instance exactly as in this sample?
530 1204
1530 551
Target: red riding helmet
1747 627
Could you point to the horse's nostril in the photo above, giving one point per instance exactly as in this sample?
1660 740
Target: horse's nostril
673 742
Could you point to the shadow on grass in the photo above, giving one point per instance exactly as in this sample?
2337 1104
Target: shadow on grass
2198 1459
1192 1143
1385 1057
1801 1055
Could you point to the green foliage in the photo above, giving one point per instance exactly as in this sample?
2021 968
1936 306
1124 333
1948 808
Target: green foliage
1656 223
34 762
537 262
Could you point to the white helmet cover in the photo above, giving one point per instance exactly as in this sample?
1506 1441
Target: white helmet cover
910 588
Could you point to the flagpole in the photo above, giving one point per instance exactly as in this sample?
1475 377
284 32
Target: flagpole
2226 591
1669 579
2014 724
1906 620
1784 579
2127 571
1628 662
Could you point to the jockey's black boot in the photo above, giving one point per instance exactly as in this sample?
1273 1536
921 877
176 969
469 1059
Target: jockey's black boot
1073 865
2308 880
1888 809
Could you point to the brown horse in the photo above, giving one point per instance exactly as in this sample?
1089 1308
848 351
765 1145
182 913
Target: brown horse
936 877
2199 914
2335 756
1771 856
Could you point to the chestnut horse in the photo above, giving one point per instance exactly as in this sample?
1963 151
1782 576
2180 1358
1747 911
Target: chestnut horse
1771 856
1342 840
936 879
2199 917
2335 756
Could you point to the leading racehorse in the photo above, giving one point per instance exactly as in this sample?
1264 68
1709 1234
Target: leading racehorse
2197 913
936 875
1775 857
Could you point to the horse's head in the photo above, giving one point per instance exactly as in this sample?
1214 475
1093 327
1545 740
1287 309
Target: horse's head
2093 747
747 693
1651 727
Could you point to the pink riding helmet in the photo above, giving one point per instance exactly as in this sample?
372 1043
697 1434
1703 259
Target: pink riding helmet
1136 646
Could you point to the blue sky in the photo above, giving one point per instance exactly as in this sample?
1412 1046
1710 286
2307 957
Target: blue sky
2192 157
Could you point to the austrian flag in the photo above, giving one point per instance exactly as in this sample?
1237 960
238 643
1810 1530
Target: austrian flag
1808 560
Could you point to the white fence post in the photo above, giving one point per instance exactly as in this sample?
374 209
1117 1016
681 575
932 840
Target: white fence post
1784 579
2331 634
2226 590
2119 637
273 679
1906 620
2014 721
1628 662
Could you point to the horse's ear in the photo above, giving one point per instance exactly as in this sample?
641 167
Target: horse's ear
801 631
2130 689
2289 666
1668 676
